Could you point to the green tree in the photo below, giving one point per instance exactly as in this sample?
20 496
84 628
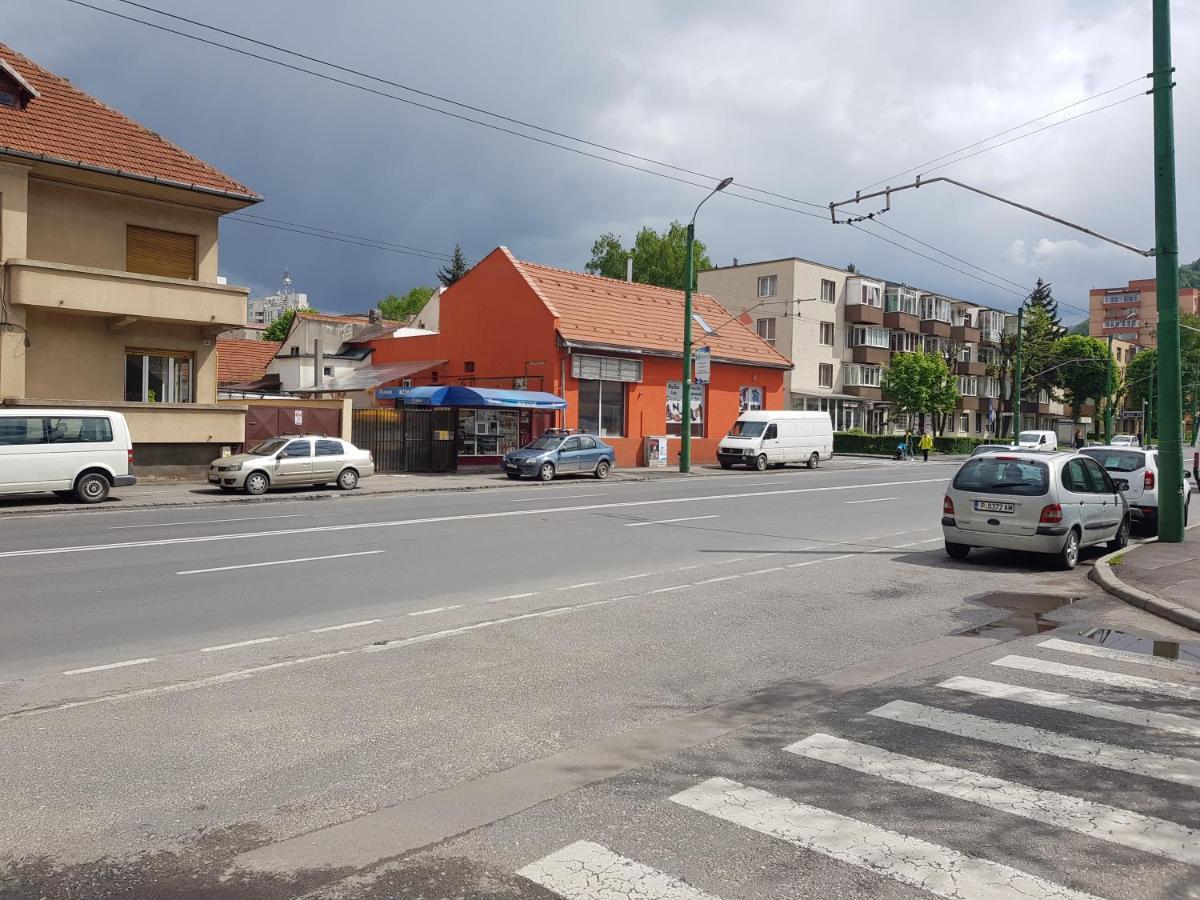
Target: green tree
921 384
1083 373
1083 328
278 330
457 268
1039 337
658 259
1189 275
401 309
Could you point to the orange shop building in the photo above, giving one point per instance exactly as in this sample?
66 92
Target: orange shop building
610 348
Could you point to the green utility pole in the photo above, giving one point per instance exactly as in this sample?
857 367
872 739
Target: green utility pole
1017 377
685 423
1166 259
1149 422
1108 399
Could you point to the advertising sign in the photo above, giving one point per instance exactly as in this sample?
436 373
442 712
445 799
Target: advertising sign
750 399
675 403
703 370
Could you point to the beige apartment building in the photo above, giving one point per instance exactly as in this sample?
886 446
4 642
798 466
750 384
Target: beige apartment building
108 251
1130 313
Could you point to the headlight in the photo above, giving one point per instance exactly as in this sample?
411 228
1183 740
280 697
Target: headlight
233 467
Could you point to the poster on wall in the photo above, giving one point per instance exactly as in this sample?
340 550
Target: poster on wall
750 399
675 403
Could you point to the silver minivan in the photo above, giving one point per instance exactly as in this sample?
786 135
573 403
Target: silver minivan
78 454
1041 502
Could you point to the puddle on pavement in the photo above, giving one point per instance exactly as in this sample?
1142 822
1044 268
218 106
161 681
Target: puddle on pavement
1027 614
1122 640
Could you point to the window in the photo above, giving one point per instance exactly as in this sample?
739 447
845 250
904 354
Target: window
964 422
900 300
861 376
989 387
978 423
827 334
301 449
156 376
570 445
24 430
602 408
586 443
151 251
488 432
968 385
864 294
766 329
869 336
329 448
469 366
606 368
8 99
993 475
964 353
906 342
825 374
936 308
766 285
1075 478
828 291
869 295
772 432
1098 481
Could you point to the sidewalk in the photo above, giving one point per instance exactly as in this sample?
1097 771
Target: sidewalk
1160 578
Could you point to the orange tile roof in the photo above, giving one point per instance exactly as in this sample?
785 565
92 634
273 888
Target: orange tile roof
240 361
607 312
63 123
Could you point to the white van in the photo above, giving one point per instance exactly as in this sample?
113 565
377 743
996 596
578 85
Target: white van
1038 440
76 453
761 439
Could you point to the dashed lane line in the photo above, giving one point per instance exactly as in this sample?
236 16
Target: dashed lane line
436 609
344 626
116 665
278 562
872 500
512 597
204 522
247 643
669 521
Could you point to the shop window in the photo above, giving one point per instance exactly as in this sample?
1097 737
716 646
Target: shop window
602 408
153 376
488 432
675 408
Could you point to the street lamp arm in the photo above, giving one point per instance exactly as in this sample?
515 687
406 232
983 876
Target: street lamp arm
887 192
720 187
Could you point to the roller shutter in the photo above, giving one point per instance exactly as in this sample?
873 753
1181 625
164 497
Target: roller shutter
150 251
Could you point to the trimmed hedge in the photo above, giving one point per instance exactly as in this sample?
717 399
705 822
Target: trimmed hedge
844 442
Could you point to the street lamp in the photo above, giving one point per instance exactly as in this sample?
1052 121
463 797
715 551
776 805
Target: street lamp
685 425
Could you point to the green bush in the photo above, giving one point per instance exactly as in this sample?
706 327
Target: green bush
849 442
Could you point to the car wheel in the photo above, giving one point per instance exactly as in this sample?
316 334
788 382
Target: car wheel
546 472
761 462
725 465
348 480
257 483
91 488
1068 556
957 551
814 460
1121 539
602 469
513 476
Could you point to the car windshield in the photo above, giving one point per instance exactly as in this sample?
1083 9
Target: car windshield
1003 475
1117 460
1030 437
742 428
545 442
267 447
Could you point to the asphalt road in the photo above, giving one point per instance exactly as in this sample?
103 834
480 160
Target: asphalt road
424 695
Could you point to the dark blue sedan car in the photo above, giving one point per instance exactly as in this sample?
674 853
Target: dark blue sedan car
560 452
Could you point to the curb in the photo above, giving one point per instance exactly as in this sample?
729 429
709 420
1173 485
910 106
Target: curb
1102 574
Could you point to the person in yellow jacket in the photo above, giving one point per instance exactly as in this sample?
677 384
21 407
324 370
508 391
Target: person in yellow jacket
925 445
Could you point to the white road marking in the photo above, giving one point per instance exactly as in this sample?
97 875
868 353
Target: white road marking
813 562
430 520
1083 706
939 870
249 643
346 625
674 587
635 577
436 609
1100 676
556 497
763 571
582 584
116 665
278 562
587 871
715 580
872 500
512 597
1145 763
204 522
669 521
1095 820
1141 659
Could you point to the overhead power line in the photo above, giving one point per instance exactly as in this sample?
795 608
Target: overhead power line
373 245
438 254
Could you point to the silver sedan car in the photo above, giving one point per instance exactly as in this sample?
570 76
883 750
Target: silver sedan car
293 460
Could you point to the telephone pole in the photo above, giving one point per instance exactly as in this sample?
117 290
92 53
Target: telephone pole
1108 398
1166 244
1016 393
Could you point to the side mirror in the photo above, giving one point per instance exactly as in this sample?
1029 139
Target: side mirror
279 455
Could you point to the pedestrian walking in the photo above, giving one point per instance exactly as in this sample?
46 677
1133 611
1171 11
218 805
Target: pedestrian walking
908 443
925 445
1078 439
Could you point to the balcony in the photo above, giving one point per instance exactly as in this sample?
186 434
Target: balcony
971 404
990 336
125 297
935 328
970 368
875 356
966 333
901 321
861 314
866 393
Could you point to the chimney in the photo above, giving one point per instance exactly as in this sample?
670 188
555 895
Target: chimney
374 317
629 268
735 260
318 364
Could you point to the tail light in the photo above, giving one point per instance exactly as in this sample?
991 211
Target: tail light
947 506
1051 515
129 456
1148 481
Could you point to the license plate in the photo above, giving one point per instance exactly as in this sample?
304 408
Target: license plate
512 468
213 478
994 506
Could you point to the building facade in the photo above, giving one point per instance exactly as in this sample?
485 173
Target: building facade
265 310
108 243
1130 313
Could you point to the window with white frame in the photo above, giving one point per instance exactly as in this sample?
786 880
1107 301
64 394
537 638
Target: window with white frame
989 387
766 329
939 346
936 308
825 375
898 299
767 285
158 376
828 291
863 293
906 342
968 385
862 376
964 422
869 336
827 334
964 353
989 356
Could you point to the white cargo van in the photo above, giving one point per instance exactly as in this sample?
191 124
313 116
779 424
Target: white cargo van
766 438
1037 440
76 453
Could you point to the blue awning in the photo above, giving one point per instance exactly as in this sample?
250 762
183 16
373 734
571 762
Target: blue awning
453 395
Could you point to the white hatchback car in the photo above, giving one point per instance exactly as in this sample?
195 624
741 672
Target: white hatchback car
1053 503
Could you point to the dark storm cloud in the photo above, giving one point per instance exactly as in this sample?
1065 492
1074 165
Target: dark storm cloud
811 100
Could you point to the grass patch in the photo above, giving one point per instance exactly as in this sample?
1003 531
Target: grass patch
1117 561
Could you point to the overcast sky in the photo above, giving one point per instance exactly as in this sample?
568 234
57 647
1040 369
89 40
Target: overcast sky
812 100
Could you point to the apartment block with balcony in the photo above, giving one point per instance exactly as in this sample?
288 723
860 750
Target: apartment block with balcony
1130 313
108 248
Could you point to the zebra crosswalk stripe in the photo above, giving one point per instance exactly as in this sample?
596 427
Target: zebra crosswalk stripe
587 871
1095 820
1141 659
1038 740
1100 676
1083 706
939 870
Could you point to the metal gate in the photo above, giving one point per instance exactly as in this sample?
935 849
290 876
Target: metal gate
264 422
407 439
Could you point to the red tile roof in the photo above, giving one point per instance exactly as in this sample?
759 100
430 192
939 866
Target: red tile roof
64 123
240 361
606 312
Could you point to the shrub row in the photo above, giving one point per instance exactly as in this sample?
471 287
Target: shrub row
845 442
